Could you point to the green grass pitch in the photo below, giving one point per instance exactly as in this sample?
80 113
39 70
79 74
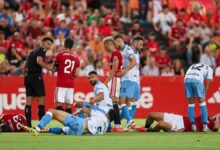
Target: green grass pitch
111 141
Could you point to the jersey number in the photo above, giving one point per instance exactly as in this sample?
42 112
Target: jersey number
195 67
17 120
69 66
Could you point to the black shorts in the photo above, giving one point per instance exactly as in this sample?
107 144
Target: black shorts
34 85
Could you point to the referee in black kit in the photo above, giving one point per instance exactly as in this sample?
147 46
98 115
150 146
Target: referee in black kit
33 79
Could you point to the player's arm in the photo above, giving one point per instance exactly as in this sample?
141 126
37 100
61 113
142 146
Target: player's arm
131 65
217 123
113 71
207 84
42 63
76 73
99 98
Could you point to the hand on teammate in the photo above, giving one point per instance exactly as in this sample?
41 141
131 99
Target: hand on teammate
121 73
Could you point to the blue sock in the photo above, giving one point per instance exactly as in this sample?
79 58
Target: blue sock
45 120
133 110
204 112
56 130
125 112
191 113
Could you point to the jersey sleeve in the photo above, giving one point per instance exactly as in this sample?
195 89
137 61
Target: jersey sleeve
41 53
99 88
129 52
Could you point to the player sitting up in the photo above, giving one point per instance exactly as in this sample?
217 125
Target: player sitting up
96 124
177 123
12 123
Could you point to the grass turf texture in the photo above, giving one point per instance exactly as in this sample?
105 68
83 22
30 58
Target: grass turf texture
111 141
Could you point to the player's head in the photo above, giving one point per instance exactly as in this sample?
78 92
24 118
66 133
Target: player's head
93 77
109 43
119 41
111 115
138 43
68 43
47 42
4 127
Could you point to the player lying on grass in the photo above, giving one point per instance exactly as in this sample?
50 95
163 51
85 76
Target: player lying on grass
96 124
177 123
12 123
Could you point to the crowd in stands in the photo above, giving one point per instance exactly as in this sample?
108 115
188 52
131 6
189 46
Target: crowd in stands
190 36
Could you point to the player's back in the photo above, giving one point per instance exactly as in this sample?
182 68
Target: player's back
118 56
14 121
98 123
67 63
199 72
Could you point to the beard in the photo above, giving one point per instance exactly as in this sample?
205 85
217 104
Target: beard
93 83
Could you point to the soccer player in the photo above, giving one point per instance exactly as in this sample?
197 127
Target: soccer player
67 65
33 79
96 124
130 76
194 88
113 80
177 123
12 123
102 98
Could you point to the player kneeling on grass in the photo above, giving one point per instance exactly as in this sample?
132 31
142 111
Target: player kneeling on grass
177 123
96 124
12 123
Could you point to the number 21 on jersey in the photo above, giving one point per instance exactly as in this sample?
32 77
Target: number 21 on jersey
69 66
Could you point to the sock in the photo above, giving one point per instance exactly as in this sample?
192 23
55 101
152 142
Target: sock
204 112
147 125
69 110
133 109
117 120
41 111
191 113
60 108
56 130
45 120
125 112
28 115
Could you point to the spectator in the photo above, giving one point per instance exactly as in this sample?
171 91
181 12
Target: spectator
5 68
167 71
143 10
136 29
5 14
97 46
91 31
157 7
208 58
2 54
162 59
165 19
4 28
98 67
104 29
217 71
182 14
177 33
18 45
151 68
85 68
126 11
94 17
210 19
20 70
152 44
177 67
63 28
34 29
145 54
3 42
195 16
205 32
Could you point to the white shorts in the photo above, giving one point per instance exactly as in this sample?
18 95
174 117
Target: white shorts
114 86
175 120
64 95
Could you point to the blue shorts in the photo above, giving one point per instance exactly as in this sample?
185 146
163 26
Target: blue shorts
73 125
130 89
194 88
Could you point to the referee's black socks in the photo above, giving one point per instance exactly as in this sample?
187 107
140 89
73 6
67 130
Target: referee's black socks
28 115
69 110
117 120
41 111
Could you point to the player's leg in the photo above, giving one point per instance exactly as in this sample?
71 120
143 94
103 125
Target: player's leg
190 93
59 95
28 114
153 116
52 114
200 93
134 100
69 100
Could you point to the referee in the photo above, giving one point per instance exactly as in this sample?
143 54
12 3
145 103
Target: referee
33 79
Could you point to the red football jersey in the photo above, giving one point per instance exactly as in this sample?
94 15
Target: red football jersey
198 123
153 47
67 65
116 55
14 121
177 33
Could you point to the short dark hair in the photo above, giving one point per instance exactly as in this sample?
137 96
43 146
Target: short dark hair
92 72
47 39
118 36
68 43
138 38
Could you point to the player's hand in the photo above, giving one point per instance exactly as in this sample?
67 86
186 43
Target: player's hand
91 102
